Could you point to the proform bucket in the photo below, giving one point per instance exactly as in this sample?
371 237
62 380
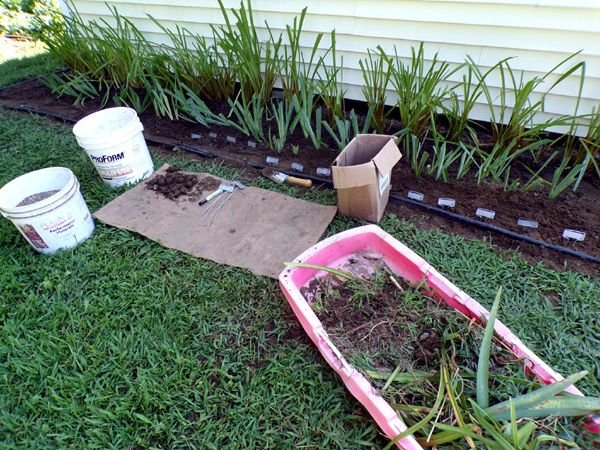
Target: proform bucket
115 144
47 208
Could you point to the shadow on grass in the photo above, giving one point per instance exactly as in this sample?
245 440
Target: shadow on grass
20 59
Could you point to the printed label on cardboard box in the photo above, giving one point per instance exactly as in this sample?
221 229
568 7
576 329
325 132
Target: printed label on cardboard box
384 182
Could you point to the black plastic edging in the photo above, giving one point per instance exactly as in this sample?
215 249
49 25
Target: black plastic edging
489 227
187 148
394 198
32 110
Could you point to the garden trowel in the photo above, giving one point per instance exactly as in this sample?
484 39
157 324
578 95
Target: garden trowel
280 177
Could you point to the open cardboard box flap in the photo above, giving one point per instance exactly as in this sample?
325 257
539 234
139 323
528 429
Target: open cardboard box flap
353 176
387 158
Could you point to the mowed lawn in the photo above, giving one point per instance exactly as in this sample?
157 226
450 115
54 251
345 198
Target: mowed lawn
122 343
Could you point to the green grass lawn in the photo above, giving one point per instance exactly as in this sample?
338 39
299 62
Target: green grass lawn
122 343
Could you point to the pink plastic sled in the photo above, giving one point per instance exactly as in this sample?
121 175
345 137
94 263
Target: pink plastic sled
366 244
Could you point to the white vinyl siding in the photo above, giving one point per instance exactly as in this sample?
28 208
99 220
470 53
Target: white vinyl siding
539 34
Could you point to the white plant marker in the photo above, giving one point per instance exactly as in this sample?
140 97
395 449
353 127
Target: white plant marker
528 223
449 202
414 195
485 213
297 167
212 135
272 160
251 144
574 234
231 139
196 136
325 171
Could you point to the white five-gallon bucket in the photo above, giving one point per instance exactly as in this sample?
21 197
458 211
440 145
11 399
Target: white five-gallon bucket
114 142
53 214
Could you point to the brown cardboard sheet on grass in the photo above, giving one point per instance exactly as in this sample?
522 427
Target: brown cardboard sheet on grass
256 229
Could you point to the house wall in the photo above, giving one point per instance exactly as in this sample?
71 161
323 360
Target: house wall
539 34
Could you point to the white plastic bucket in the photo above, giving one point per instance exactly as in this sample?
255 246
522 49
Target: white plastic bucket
115 144
60 220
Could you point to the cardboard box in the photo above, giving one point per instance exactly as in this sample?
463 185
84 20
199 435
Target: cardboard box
362 173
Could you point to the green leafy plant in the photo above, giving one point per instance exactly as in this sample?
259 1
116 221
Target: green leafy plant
413 147
309 117
77 86
250 115
198 64
484 426
346 129
420 89
376 72
458 107
282 113
296 70
443 158
330 82
256 63
496 164
27 17
591 141
569 174
513 122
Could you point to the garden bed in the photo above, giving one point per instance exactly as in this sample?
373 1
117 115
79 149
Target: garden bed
579 210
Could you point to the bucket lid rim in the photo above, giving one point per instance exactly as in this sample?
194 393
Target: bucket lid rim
83 122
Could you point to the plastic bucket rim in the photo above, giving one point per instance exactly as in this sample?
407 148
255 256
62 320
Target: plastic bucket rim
127 128
48 208
7 211
115 139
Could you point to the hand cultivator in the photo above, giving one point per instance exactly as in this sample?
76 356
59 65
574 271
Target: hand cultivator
222 194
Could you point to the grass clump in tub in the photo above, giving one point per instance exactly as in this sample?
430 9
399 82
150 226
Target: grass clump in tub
441 371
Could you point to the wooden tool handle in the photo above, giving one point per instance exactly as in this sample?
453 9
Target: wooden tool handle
299 182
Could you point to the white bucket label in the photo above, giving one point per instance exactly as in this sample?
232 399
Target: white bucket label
124 165
32 235
107 158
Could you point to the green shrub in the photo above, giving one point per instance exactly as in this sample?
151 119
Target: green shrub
25 17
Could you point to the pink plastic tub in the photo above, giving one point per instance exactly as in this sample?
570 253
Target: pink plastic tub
366 244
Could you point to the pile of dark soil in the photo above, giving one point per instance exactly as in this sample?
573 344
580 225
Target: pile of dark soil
389 323
176 184
172 184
